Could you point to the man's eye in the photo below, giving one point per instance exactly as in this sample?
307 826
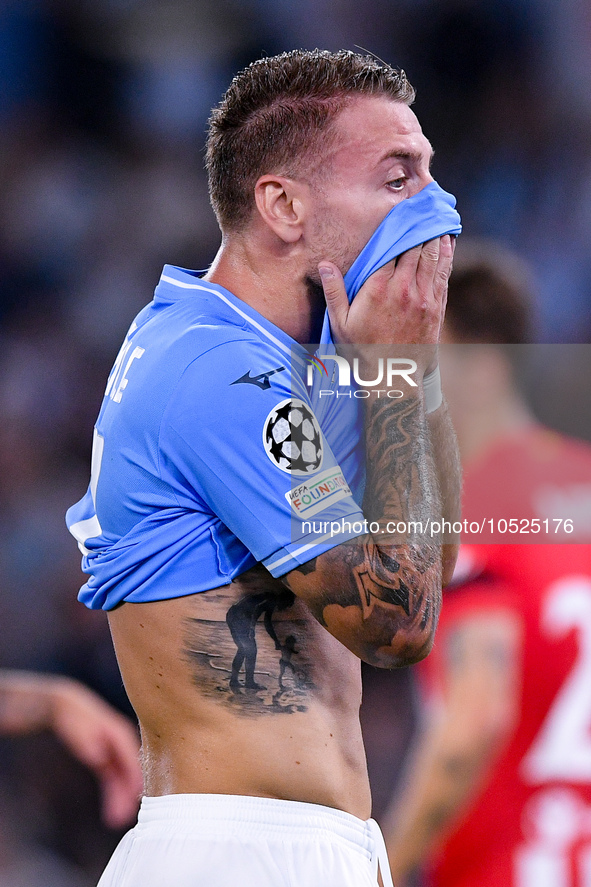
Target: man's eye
397 184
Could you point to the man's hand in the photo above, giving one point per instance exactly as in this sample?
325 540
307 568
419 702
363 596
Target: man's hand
98 736
380 594
402 303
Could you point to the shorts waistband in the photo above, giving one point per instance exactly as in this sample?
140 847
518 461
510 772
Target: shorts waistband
246 817
255 816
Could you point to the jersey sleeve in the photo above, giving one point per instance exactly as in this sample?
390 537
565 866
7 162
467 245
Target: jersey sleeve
241 433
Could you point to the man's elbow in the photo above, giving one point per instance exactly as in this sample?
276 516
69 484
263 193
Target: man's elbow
408 645
411 630
449 556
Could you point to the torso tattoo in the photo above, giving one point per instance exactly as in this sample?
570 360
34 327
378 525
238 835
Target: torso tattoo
254 656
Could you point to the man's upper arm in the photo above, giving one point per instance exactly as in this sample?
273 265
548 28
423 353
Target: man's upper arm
256 456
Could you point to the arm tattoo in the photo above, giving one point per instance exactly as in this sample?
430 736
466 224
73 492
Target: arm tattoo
400 477
308 567
392 577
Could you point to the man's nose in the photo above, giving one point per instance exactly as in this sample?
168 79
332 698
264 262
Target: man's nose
421 181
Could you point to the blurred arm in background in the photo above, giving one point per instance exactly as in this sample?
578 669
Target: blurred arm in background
97 735
462 739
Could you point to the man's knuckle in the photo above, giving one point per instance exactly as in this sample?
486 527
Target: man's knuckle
431 251
404 296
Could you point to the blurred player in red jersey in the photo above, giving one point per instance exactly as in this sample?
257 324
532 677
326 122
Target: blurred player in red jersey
499 791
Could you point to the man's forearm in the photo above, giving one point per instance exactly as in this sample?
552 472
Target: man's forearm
446 457
401 481
402 497
392 576
26 701
443 774
457 749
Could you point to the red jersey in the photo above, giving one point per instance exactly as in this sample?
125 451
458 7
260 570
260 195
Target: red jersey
530 826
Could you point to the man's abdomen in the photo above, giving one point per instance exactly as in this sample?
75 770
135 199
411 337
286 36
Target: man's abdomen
240 691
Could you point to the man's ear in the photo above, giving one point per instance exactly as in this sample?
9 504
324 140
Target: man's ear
280 205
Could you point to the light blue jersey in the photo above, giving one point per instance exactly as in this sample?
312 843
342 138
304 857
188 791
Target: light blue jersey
208 454
217 446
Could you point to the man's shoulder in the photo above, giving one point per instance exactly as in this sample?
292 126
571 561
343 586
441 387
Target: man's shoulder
175 339
232 367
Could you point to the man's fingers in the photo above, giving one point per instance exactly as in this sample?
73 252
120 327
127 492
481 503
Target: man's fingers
335 294
121 786
406 264
428 264
409 294
447 250
444 266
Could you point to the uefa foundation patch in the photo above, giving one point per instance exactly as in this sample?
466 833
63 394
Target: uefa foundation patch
318 493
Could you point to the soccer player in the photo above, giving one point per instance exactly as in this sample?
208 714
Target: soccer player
98 736
212 453
499 788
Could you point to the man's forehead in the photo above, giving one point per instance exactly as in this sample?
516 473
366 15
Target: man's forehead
383 128
377 113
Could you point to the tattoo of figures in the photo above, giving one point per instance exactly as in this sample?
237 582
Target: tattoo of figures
253 661
242 618
288 649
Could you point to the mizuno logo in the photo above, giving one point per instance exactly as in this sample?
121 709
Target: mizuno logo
261 381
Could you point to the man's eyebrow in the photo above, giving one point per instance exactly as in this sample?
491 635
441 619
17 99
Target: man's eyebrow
415 157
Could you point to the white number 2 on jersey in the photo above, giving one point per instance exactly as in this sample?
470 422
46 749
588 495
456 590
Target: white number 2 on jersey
562 748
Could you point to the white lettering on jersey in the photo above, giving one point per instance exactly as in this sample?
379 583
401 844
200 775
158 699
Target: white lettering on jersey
118 380
557 820
556 852
135 355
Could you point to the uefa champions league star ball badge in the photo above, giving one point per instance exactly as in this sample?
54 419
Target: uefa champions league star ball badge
292 438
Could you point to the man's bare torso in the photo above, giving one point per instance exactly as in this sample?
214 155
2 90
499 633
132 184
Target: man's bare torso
239 690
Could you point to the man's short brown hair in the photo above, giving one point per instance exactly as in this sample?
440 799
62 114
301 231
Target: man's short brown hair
276 118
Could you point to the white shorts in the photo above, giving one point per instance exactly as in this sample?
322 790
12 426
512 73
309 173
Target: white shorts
236 841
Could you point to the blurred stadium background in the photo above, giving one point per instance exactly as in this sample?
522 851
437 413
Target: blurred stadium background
103 109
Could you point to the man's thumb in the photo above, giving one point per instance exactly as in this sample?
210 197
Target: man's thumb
334 292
